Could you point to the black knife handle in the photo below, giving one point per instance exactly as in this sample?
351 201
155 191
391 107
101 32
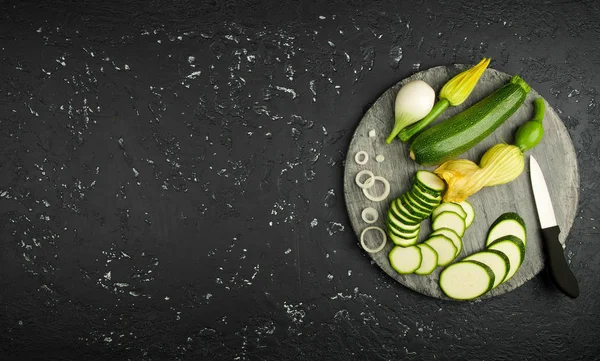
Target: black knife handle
559 269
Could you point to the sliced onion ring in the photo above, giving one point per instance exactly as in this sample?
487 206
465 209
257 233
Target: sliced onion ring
365 156
378 248
369 182
370 215
386 190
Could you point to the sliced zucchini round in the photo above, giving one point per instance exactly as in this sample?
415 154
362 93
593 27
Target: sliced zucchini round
444 248
404 242
450 207
402 233
514 249
400 223
466 280
423 200
451 234
426 193
508 224
405 260
470 211
430 181
413 201
402 213
495 260
449 220
414 211
429 260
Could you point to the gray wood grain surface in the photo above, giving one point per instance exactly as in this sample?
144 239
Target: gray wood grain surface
555 154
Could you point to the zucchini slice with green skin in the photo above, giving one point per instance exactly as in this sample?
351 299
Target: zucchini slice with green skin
421 189
444 248
402 213
495 260
470 211
451 234
405 260
450 207
508 224
452 137
426 198
404 242
449 220
429 260
402 233
430 181
514 249
466 280
411 199
412 209
400 224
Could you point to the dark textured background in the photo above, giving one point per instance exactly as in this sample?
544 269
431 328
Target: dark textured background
171 179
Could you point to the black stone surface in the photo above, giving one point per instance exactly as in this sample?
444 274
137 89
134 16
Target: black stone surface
171 179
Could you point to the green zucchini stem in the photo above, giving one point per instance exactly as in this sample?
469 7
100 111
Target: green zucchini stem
439 107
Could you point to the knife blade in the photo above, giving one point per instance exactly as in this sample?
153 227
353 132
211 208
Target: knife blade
559 269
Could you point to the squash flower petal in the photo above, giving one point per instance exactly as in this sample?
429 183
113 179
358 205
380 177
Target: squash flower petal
458 89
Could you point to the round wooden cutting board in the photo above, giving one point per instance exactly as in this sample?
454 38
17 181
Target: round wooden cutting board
555 155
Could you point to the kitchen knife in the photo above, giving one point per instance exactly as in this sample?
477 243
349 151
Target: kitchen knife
559 269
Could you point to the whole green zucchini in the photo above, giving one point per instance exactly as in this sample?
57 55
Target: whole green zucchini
454 136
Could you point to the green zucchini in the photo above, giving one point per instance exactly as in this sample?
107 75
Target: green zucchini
454 136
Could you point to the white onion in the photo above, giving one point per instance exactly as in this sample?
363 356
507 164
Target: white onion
363 243
386 190
369 182
370 215
365 157
413 102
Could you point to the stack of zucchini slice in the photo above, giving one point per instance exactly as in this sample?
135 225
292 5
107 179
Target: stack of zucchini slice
473 275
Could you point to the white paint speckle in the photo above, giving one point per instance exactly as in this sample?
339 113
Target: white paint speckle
287 90
194 74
